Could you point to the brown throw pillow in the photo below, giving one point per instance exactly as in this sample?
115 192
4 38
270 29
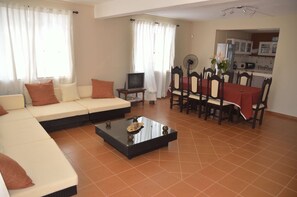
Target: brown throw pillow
2 111
42 94
13 174
102 89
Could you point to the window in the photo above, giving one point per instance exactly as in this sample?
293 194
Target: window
37 45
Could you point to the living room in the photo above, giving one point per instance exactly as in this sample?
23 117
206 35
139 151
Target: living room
103 50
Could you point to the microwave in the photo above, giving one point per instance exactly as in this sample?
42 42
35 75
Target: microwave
250 65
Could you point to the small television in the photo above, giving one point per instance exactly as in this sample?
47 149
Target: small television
135 80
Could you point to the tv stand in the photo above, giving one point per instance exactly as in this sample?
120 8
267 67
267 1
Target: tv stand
132 99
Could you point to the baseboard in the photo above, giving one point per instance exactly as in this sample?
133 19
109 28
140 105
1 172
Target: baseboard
282 115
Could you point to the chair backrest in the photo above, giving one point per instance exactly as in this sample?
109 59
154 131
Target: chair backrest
228 76
176 78
264 92
215 87
208 72
244 79
195 83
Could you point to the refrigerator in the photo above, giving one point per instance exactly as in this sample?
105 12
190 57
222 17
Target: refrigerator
227 51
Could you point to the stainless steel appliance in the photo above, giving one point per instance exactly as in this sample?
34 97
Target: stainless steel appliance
227 51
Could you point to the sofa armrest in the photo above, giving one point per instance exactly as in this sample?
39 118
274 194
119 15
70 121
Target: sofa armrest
10 102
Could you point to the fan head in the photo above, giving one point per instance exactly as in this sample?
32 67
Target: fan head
190 62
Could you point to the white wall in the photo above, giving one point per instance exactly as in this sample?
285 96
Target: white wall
283 95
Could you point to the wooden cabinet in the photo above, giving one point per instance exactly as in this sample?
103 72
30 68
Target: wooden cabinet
267 48
241 46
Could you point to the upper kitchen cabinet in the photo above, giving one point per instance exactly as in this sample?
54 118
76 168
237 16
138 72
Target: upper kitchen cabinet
241 46
267 48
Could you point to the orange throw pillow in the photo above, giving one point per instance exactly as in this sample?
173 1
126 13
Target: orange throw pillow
102 89
13 174
42 94
2 111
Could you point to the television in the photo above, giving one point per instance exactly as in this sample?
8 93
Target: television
135 80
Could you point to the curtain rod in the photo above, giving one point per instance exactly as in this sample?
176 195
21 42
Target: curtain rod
133 19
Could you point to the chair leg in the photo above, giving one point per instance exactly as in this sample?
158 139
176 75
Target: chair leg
230 113
171 101
180 103
255 119
206 111
220 115
261 116
199 112
188 105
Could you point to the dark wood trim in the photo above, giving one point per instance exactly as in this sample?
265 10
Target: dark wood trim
70 191
64 123
109 115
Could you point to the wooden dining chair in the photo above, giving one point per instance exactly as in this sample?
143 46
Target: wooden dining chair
215 98
195 92
208 71
244 78
262 102
228 76
178 94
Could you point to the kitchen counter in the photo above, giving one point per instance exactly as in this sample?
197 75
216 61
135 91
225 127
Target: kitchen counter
256 72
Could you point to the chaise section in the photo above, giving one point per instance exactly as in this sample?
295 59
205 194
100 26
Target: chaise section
46 165
21 132
105 109
59 116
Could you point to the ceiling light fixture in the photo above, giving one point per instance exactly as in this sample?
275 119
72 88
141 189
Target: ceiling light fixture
246 9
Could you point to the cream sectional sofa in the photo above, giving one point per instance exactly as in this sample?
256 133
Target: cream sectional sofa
23 139
74 113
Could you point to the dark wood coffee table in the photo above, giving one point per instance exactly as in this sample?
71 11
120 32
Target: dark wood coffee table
150 137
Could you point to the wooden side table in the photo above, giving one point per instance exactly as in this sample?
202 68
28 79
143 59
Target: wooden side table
135 99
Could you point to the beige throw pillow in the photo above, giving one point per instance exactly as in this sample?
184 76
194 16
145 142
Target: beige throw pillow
69 92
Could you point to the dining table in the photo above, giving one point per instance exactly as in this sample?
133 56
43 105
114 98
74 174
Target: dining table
244 97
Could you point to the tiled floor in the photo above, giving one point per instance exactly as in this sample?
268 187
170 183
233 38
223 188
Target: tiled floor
206 160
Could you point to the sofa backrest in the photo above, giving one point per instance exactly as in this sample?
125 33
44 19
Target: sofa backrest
85 91
11 102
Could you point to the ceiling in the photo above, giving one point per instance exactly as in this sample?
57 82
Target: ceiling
212 9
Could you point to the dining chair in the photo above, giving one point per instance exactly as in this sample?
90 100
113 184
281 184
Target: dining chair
228 76
195 92
244 79
208 71
215 98
177 88
262 102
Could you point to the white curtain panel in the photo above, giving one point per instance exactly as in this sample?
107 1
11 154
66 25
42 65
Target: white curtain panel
143 50
153 53
164 56
36 45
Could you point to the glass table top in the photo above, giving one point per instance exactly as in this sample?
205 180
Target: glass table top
118 130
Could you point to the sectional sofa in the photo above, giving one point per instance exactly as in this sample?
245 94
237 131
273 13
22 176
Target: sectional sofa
24 137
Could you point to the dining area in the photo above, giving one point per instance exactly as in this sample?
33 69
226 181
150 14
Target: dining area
219 95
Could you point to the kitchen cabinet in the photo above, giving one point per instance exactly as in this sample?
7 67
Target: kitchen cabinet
241 46
267 48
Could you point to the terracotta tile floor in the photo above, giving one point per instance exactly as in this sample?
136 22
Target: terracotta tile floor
206 160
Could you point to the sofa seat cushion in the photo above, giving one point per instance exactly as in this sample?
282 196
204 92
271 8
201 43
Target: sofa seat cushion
18 132
104 104
18 114
46 165
57 111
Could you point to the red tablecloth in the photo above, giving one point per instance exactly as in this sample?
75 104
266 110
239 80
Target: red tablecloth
242 96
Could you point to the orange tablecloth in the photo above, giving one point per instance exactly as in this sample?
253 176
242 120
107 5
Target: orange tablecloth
242 96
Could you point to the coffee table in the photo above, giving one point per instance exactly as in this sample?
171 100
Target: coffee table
152 136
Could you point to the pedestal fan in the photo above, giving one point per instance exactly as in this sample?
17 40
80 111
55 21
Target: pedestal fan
190 62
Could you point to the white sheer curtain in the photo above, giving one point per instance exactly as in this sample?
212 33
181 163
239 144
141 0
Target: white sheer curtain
36 45
153 53
143 52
